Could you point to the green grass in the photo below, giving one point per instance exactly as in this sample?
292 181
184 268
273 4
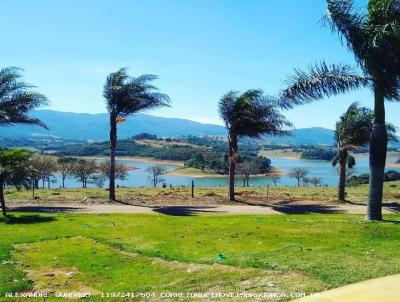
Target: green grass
146 253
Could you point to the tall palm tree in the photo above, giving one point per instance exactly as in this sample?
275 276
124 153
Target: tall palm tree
353 131
374 40
249 114
125 96
17 99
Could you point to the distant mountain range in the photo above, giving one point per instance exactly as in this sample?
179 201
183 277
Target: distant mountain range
84 126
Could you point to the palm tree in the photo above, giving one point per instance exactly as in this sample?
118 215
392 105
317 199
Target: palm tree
373 38
125 96
353 131
17 99
249 114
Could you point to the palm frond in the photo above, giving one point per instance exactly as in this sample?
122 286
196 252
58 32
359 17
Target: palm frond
127 95
350 161
16 99
21 119
354 127
321 80
343 19
391 131
252 114
335 159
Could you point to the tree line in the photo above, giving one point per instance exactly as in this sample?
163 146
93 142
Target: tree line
24 169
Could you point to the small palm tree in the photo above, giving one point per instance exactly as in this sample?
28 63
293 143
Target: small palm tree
17 99
249 114
374 40
353 131
125 96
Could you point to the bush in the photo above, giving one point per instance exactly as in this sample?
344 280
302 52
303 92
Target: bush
364 178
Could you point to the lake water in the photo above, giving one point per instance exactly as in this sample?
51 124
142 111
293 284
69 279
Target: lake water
322 169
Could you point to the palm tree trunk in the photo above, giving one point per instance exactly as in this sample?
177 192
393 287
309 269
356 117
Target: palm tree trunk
342 175
232 164
377 159
2 201
113 145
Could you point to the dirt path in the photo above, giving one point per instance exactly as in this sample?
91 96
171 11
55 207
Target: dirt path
375 290
197 210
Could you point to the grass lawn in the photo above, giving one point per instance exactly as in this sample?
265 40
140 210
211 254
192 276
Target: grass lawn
208 253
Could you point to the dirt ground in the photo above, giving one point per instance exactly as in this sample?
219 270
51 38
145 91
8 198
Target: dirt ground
189 210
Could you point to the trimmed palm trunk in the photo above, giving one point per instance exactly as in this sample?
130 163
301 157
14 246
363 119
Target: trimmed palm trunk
113 145
233 147
2 201
342 175
377 159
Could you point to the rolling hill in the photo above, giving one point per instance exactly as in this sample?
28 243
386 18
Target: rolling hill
85 126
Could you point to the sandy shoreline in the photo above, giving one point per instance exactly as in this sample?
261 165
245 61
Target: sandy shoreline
394 165
178 164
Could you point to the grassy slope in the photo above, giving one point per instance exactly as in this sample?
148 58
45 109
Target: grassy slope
337 249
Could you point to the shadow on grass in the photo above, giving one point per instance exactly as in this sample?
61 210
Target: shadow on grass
393 207
184 210
307 209
43 209
26 219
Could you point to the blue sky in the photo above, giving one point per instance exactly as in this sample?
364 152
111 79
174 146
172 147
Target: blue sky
199 48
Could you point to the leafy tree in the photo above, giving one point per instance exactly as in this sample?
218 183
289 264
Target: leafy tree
156 173
121 170
42 167
245 169
274 178
98 180
14 165
125 96
315 181
353 131
306 181
49 168
374 40
65 167
249 114
299 173
83 170
17 99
